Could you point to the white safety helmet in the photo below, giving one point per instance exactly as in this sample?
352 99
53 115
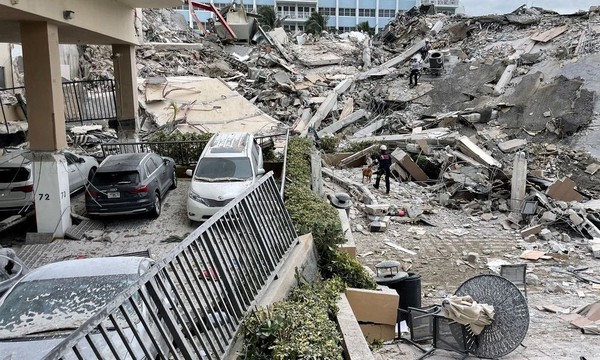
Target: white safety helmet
383 148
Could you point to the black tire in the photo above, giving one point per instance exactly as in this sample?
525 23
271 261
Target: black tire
173 181
156 209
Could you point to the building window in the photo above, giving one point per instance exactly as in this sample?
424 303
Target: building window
327 11
301 27
387 13
347 12
366 12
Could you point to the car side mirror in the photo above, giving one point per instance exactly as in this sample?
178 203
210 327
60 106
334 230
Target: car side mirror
80 160
261 172
189 172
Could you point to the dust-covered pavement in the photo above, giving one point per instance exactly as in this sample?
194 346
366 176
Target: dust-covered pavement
120 235
443 250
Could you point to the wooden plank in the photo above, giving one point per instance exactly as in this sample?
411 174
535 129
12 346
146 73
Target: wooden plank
338 125
518 183
550 34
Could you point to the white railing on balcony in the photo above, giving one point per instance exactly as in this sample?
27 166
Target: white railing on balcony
452 3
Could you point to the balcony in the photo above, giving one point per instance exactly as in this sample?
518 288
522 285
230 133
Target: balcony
291 16
296 2
442 3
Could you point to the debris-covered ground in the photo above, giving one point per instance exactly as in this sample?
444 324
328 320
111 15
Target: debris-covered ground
494 150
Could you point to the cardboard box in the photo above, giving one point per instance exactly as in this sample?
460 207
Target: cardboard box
564 190
375 332
372 306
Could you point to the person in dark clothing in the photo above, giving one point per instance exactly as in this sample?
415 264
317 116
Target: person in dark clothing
385 161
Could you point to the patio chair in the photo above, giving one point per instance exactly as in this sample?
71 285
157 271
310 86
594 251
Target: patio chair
516 273
501 337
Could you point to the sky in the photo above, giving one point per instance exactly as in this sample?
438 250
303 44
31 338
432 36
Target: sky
485 7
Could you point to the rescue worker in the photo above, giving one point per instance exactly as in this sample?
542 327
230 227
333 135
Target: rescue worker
415 71
385 162
424 51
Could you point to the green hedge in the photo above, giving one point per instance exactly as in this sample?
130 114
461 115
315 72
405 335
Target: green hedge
303 326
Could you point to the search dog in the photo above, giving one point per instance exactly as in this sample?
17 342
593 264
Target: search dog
367 173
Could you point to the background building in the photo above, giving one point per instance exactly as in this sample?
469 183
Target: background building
448 7
344 15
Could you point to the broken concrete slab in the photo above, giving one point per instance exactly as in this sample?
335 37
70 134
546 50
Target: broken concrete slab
436 136
504 79
358 155
512 145
400 93
206 105
533 230
343 122
407 163
325 108
518 183
469 148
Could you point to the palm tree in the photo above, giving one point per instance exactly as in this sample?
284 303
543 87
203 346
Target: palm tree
364 27
316 23
268 17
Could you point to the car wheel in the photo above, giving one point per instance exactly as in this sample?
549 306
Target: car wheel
174 180
156 209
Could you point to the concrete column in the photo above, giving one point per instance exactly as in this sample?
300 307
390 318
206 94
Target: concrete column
47 133
337 14
376 16
52 196
127 122
43 86
357 6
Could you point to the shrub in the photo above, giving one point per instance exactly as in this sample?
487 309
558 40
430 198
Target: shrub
300 327
329 144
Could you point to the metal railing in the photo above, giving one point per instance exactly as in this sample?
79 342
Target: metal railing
191 304
183 152
85 100
90 100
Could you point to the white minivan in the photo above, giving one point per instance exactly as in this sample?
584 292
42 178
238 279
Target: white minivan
229 164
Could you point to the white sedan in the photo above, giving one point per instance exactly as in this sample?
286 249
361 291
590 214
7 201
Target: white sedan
16 178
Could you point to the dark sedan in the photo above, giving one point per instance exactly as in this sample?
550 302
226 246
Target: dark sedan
130 184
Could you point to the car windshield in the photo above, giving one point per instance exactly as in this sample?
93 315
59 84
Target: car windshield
9 174
220 169
53 304
115 178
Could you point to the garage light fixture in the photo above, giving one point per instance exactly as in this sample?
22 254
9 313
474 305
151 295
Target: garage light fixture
68 14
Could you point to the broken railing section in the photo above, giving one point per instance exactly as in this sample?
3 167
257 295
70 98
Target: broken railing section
195 298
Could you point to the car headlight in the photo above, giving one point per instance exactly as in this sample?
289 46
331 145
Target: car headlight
192 195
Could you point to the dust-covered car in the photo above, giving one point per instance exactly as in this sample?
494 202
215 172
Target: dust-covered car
130 184
50 302
16 178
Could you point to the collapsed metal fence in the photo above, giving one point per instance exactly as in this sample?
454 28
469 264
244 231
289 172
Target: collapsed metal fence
191 304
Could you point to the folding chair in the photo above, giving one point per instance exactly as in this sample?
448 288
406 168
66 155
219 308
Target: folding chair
516 273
